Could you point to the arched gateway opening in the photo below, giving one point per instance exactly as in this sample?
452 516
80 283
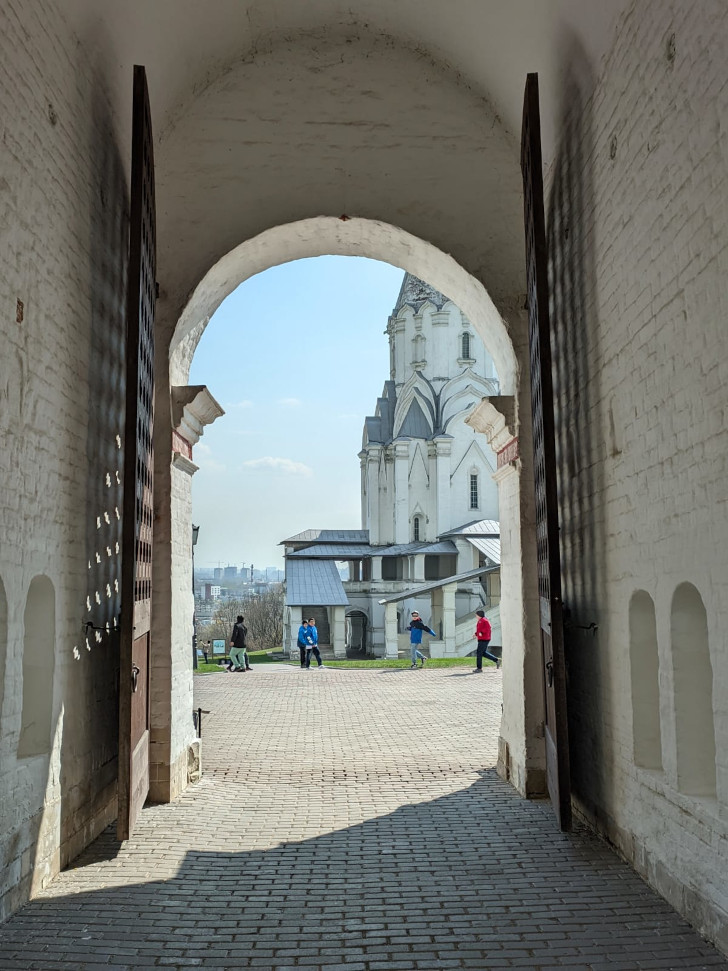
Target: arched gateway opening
520 752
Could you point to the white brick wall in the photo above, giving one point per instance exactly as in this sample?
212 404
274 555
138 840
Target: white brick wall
639 199
62 247
639 271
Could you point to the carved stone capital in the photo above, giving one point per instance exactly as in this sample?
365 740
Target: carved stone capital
495 417
193 407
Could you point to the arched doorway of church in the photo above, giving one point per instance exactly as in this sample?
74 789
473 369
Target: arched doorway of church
356 633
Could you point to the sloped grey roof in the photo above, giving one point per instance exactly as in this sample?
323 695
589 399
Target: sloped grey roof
415 425
373 431
490 547
379 428
336 551
404 549
434 584
314 583
328 536
351 551
483 534
478 527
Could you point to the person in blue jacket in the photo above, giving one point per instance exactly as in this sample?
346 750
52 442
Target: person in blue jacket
304 642
416 629
313 647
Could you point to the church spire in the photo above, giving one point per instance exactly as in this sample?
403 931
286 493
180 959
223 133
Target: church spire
414 292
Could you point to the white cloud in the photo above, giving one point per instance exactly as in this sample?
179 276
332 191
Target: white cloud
239 405
203 457
289 402
286 466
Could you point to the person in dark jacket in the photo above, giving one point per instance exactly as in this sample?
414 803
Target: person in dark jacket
238 653
483 633
416 629
304 642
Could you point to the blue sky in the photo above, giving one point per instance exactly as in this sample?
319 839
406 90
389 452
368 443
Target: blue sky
297 358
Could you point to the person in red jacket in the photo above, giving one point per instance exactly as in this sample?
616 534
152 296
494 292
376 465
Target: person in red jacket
483 633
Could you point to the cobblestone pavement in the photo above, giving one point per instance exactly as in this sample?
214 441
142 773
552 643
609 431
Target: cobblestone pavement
352 821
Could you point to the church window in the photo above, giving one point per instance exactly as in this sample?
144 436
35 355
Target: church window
474 490
465 341
418 349
416 529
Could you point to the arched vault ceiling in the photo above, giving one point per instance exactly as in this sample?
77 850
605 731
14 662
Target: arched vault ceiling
406 113
493 44
331 124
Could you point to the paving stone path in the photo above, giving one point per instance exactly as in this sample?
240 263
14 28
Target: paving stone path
350 821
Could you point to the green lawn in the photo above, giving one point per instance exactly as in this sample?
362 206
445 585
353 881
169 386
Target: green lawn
434 662
264 657
255 657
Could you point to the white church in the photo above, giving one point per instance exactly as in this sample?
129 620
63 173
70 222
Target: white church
430 534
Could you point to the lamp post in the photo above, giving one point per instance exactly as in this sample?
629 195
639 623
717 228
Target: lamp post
195 534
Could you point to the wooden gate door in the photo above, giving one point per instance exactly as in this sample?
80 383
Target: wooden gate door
544 461
136 579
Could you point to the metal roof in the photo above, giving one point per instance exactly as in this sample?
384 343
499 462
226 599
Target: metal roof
434 584
328 536
483 534
335 551
407 549
314 583
490 547
479 527
355 551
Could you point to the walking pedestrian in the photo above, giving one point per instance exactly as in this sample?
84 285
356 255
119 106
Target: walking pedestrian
303 642
238 653
313 647
416 629
483 633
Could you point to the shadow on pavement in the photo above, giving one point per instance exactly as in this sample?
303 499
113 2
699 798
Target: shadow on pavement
478 878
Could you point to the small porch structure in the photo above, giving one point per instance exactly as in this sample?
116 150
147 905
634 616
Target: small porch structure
314 588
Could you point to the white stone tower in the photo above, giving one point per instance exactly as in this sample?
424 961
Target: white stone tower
424 471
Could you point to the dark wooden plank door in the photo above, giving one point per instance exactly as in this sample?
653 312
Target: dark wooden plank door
136 583
544 461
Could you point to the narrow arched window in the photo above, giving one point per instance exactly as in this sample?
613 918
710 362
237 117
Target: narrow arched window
465 340
692 680
416 529
645 671
474 490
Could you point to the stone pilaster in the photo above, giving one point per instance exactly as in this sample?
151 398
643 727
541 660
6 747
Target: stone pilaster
401 492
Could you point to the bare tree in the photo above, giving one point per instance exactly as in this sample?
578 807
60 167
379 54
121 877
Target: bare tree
263 617
221 625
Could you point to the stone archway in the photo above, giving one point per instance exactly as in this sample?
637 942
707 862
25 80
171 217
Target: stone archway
521 758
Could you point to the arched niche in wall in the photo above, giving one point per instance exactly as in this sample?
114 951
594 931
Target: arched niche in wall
38 669
644 668
3 643
693 687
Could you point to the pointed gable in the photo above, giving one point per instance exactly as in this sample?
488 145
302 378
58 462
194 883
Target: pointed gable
415 425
